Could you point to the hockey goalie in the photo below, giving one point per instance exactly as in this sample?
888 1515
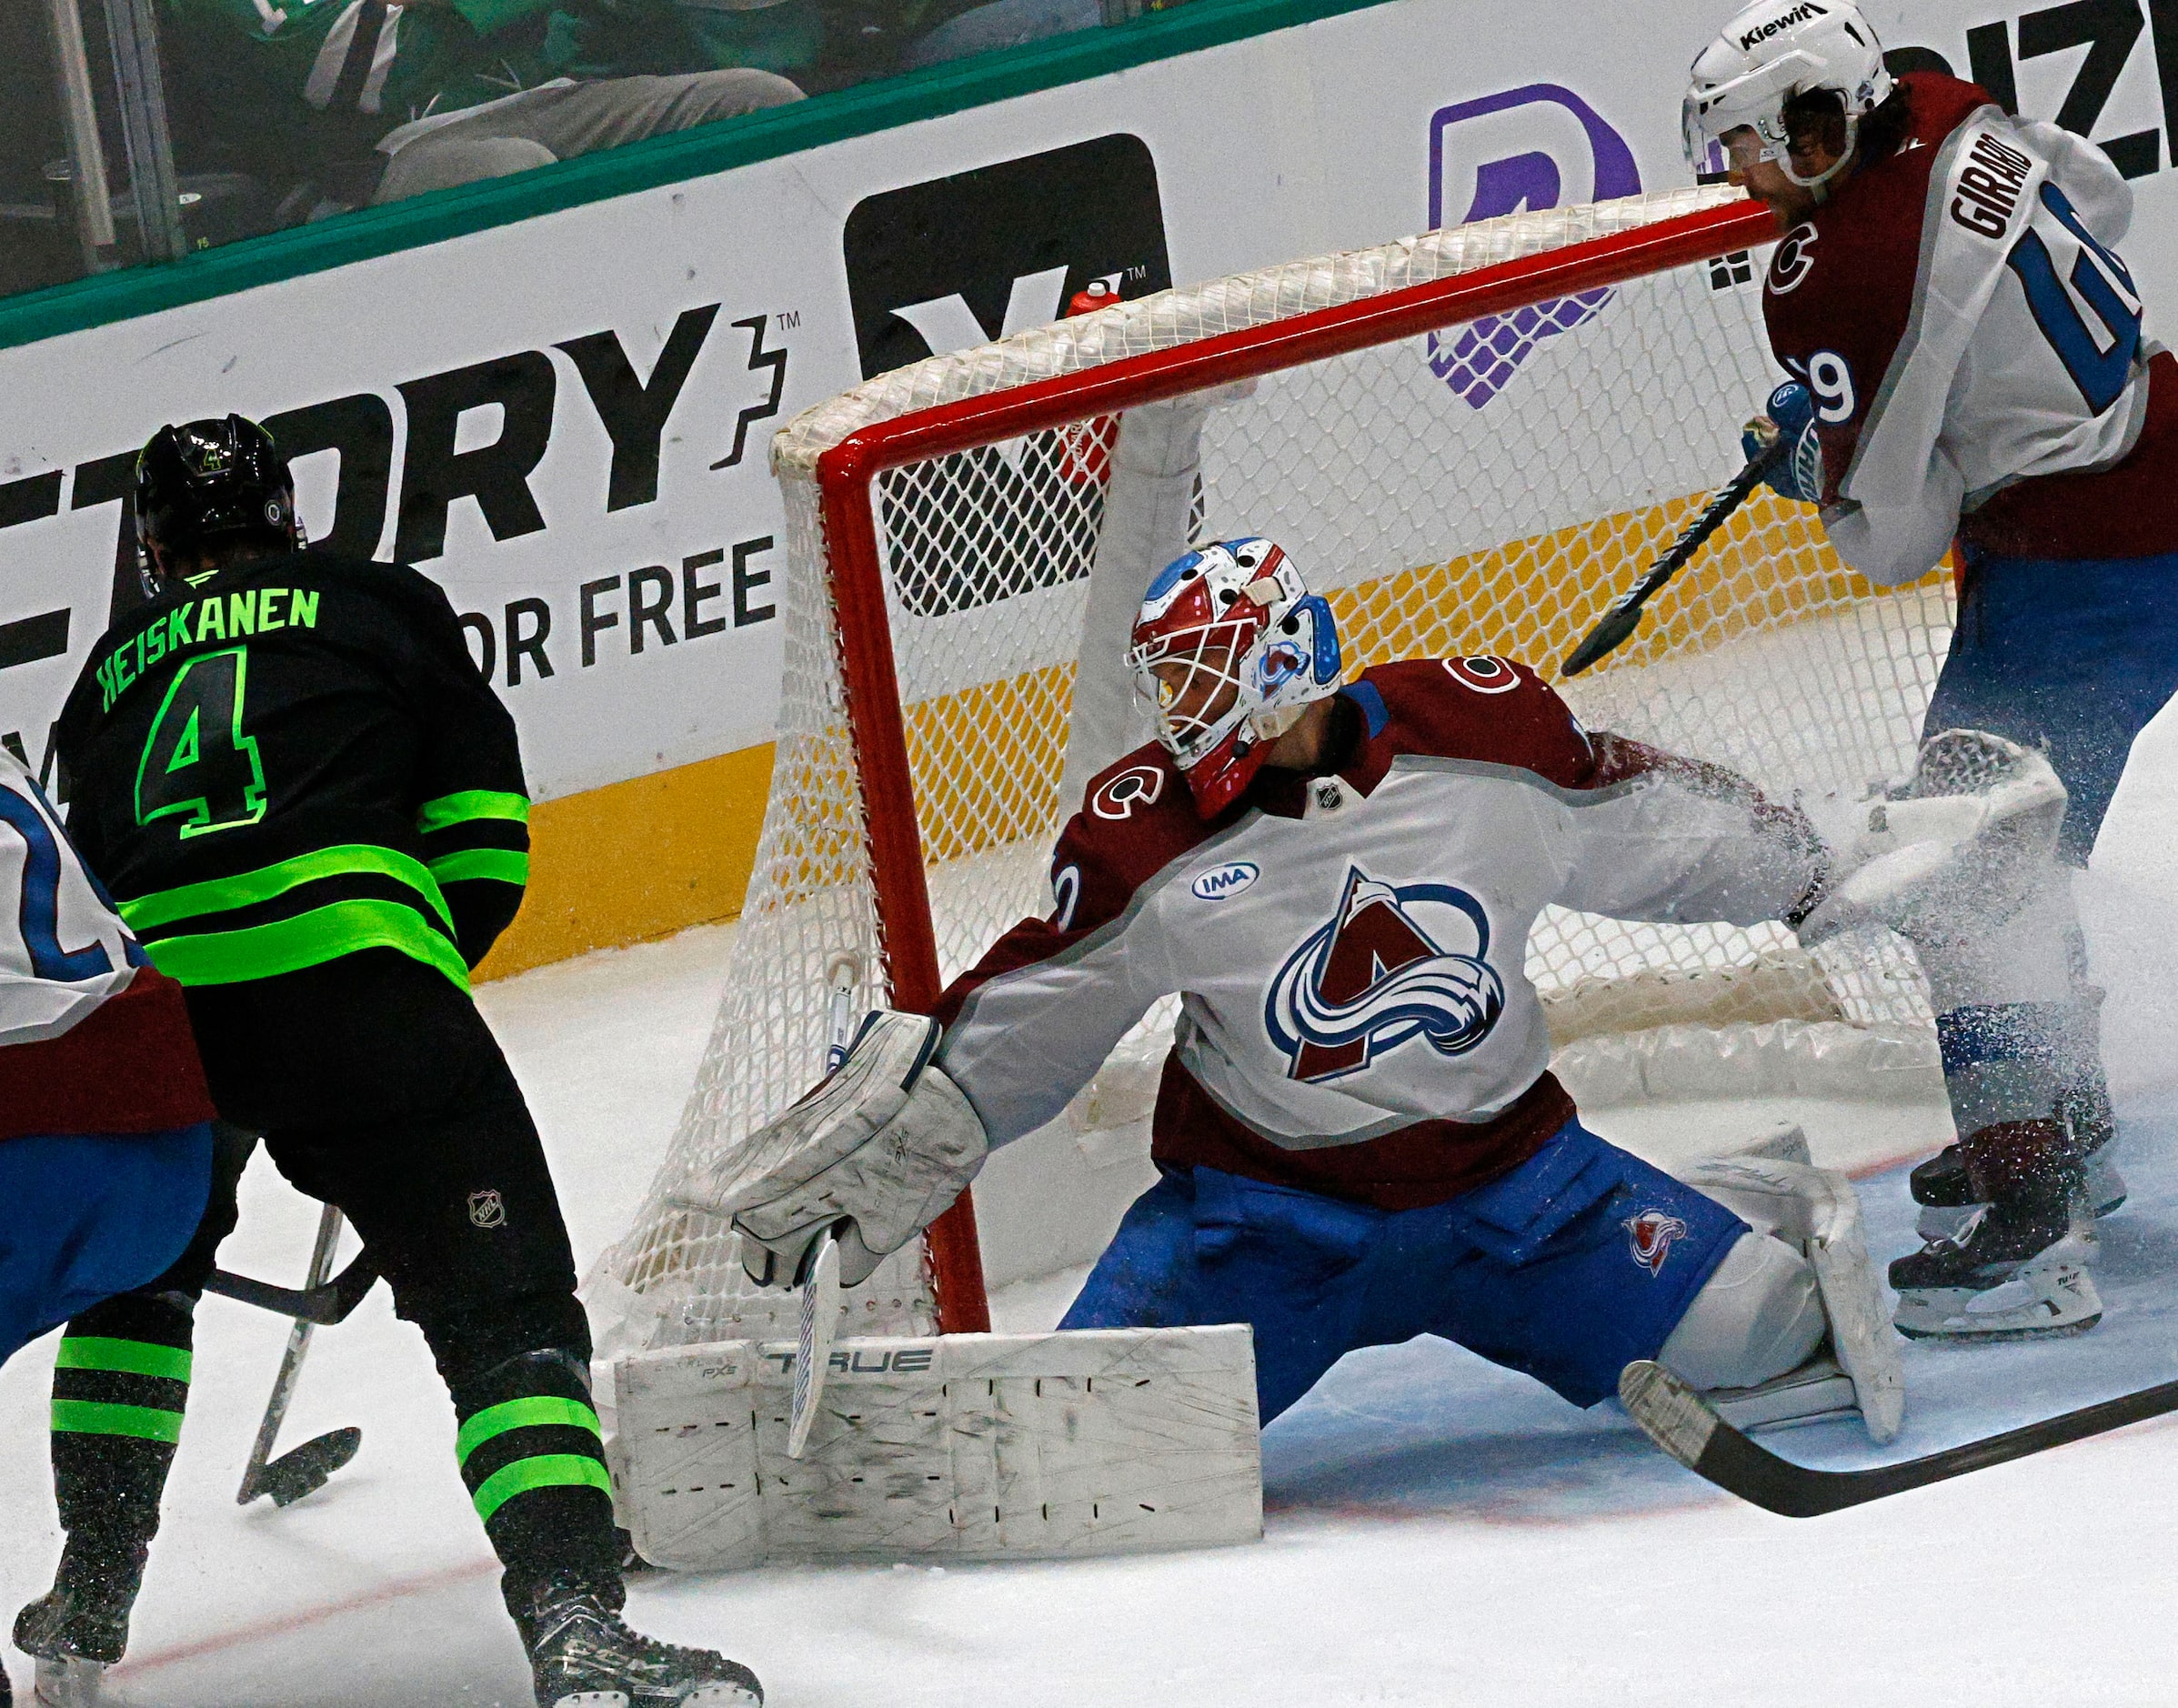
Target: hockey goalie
1357 1134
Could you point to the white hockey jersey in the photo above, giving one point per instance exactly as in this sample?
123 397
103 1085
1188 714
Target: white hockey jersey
1350 949
92 1038
1975 347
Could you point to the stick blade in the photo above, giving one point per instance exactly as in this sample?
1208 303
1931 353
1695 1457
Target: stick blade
1669 1413
813 1356
1605 638
305 1469
1680 1421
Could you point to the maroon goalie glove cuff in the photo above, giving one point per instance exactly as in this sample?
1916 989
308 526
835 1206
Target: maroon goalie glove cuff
878 1150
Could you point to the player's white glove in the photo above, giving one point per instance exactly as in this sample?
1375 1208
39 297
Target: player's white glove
1959 849
880 1149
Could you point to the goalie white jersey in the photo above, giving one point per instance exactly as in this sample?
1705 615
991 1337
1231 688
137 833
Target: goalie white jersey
1356 1017
1975 347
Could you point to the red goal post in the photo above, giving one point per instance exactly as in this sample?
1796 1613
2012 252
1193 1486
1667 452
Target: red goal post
851 840
847 476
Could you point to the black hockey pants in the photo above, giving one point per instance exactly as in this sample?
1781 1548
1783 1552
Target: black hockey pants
377 1088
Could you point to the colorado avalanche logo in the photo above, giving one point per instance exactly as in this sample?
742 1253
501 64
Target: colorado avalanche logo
1650 1234
1374 979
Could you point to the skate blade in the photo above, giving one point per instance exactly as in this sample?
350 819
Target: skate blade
68 1683
2055 1301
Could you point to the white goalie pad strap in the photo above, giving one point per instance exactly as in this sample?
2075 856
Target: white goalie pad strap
965 1447
1963 849
1818 1210
883 1145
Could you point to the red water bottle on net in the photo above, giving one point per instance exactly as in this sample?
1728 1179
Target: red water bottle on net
1085 447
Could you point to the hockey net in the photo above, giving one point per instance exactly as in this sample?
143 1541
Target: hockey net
1471 440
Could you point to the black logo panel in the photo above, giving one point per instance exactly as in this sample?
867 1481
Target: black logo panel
981 254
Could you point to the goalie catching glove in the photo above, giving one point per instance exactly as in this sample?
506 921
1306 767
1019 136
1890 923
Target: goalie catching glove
1961 848
876 1152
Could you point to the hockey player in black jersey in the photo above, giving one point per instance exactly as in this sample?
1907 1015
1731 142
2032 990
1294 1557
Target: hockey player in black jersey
309 807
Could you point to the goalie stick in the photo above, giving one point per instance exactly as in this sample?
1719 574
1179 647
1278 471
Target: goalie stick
304 1469
335 1302
820 1282
1624 614
1680 1422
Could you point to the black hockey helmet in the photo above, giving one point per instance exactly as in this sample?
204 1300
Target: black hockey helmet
211 480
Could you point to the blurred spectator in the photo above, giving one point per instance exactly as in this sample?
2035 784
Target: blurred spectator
1001 23
331 103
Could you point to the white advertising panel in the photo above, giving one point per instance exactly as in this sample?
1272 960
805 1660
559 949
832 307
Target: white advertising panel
565 421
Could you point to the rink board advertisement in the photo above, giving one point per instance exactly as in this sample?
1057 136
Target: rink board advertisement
565 421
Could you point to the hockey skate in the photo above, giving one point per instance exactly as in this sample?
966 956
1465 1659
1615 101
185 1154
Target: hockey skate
582 1656
2014 1271
77 1629
1940 1186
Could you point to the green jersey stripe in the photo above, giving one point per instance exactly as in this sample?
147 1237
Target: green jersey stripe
507 865
471 803
309 940
522 1414
92 1417
545 1471
217 895
134 1358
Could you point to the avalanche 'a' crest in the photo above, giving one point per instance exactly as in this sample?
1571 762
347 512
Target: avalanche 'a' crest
1373 978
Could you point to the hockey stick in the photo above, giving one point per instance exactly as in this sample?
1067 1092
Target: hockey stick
1678 1420
294 1474
333 1303
820 1282
1624 614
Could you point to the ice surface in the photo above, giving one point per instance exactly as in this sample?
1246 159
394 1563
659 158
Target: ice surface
1439 1531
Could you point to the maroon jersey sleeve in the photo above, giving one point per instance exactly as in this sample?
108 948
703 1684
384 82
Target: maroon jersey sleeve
1494 711
1840 289
1030 1023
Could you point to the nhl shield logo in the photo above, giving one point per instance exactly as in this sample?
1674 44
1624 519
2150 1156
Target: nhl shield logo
486 1209
1650 1235
1381 974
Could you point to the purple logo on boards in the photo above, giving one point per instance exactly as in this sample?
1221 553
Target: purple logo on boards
1571 156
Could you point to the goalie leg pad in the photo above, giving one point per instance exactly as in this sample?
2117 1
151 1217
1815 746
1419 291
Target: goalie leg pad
1758 1316
963 1447
1817 1211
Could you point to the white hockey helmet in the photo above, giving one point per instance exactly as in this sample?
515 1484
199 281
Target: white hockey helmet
1770 53
1228 645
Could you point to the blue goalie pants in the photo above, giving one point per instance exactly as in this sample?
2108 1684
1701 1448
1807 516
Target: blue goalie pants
83 1217
1568 1268
2072 655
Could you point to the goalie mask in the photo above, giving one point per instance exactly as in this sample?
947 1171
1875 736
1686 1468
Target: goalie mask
1229 646
1769 54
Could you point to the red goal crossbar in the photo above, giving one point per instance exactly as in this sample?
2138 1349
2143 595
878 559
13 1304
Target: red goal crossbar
846 474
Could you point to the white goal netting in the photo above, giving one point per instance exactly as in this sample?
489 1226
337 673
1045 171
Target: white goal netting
1485 490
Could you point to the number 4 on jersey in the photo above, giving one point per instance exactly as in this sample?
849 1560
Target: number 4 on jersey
198 765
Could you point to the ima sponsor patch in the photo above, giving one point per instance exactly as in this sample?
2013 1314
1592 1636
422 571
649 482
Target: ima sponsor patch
1229 880
1650 1235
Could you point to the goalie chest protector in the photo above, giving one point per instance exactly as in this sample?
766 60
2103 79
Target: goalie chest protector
1356 1017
